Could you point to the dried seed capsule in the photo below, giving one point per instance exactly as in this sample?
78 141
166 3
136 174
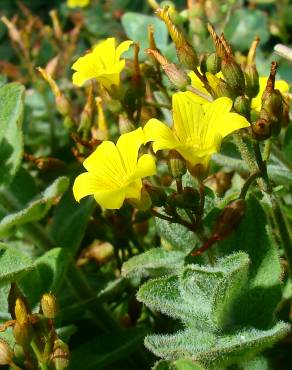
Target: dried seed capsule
6 353
188 199
233 75
242 106
213 63
49 305
252 85
230 218
261 129
272 107
176 164
60 355
157 195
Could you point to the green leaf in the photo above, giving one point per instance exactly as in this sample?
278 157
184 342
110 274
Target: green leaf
106 349
135 26
13 264
181 364
70 220
215 349
11 140
48 275
37 209
264 289
244 26
154 262
257 363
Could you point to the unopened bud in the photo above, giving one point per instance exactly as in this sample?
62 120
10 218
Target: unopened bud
176 164
252 85
6 353
213 63
60 355
49 305
177 76
242 106
21 314
199 170
203 65
63 105
125 125
69 123
22 334
261 130
185 52
230 218
223 89
233 74
157 195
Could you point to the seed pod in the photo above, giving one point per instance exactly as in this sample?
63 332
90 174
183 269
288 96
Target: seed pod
21 314
230 218
176 164
63 105
261 130
272 107
242 106
233 74
188 199
213 63
49 305
252 85
203 65
6 353
22 334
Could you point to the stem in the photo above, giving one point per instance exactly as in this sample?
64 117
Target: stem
157 105
267 150
247 184
177 220
179 185
38 355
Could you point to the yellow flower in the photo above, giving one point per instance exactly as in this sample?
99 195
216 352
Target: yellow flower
197 129
198 85
115 172
77 3
281 85
103 64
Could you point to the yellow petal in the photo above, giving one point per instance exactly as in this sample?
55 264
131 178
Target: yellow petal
77 3
146 166
128 146
133 190
104 52
84 184
124 46
160 134
230 123
110 199
105 162
213 80
187 114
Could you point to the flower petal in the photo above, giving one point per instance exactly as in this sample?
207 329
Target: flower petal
128 146
133 190
84 184
231 122
110 199
187 115
105 51
146 166
124 46
160 134
281 85
105 162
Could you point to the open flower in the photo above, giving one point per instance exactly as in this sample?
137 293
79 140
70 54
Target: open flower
197 129
280 85
115 172
103 64
77 3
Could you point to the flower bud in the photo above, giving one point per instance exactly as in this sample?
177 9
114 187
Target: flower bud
60 355
6 353
199 170
63 105
252 85
233 74
157 195
177 76
223 89
230 218
272 107
176 164
49 305
125 125
21 314
261 130
69 123
185 52
213 63
22 334
242 106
